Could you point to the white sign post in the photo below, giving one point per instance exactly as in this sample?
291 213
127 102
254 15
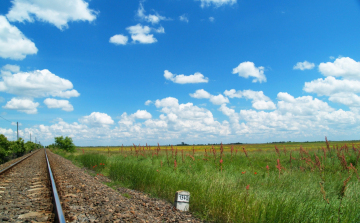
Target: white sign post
182 199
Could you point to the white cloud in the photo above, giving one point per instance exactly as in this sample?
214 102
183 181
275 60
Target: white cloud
10 69
284 96
259 100
301 106
15 124
184 18
215 99
248 69
211 19
141 34
22 105
180 122
331 85
56 12
342 67
201 93
217 3
38 83
119 39
8 133
160 30
148 102
97 119
13 44
142 114
294 117
167 102
182 79
151 18
346 98
264 105
218 99
188 118
304 65
54 103
302 118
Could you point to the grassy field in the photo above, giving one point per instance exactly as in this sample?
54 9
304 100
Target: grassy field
291 182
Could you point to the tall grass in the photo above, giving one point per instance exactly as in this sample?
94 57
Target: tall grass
298 185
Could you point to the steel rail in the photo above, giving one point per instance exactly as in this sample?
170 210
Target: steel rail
59 214
14 164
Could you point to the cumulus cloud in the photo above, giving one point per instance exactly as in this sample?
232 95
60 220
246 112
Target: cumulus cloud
304 65
189 118
97 119
148 102
56 12
141 34
54 103
8 133
215 99
22 105
8 69
218 99
216 3
201 93
346 98
13 43
211 19
184 18
182 79
142 114
177 121
342 67
160 30
38 83
331 85
119 39
248 69
151 18
301 106
294 117
258 99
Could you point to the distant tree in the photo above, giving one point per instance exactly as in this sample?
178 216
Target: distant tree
65 143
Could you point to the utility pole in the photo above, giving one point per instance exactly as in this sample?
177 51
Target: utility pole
35 140
17 127
30 137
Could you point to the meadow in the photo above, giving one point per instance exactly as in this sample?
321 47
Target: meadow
284 182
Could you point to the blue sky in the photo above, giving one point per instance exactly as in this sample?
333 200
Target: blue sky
170 71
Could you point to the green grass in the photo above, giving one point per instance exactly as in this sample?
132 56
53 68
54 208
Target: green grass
220 194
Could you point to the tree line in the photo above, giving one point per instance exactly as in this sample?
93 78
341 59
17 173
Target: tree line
12 149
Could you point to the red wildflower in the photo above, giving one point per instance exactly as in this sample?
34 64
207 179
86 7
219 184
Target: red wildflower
255 173
248 187
221 161
267 167
243 172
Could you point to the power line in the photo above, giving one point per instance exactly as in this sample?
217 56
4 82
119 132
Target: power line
5 119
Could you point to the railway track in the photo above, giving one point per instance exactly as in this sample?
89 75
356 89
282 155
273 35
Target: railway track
28 191
28 194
